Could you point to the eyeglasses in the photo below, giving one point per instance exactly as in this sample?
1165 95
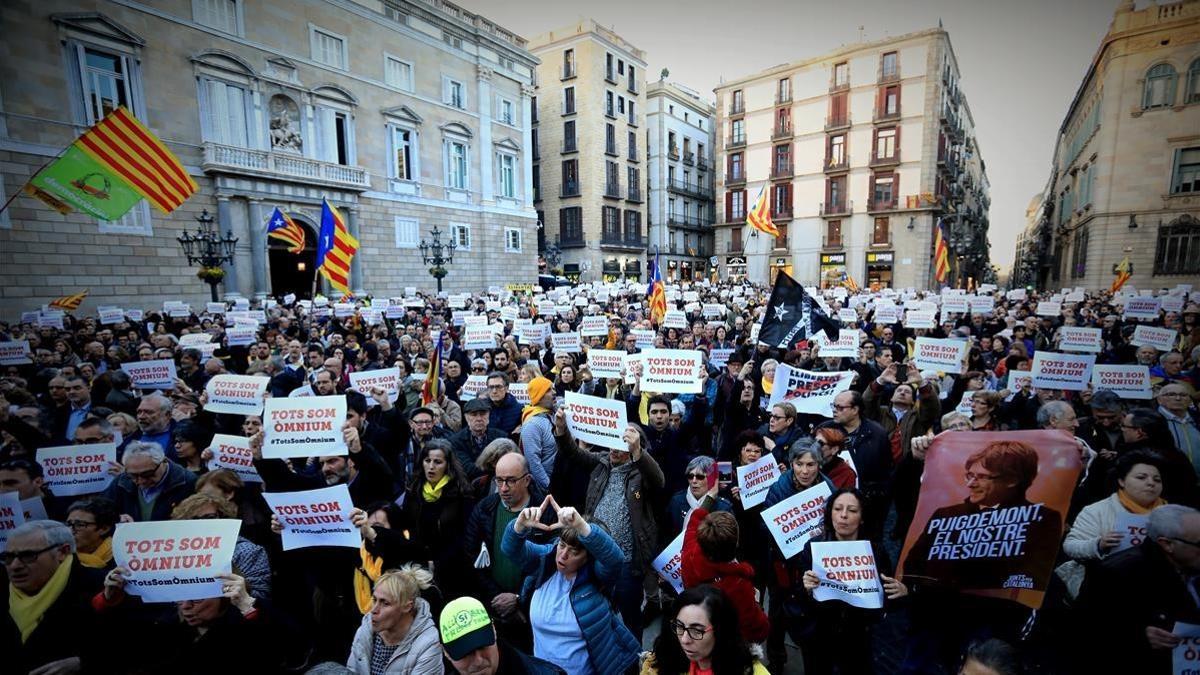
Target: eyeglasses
696 476
80 524
694 631
26 557
1174 394
840 407
143 475
972 476
779 417
478 370
496 386
501 481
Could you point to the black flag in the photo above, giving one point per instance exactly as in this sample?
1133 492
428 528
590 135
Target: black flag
792 315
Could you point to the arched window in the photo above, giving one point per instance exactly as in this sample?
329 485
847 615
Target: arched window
1192 92
1160 87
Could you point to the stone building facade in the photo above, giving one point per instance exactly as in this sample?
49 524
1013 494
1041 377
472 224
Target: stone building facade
589 178
1125 180
860 151
405 114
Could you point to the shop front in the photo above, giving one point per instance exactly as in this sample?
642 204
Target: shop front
633 269
780 265
611 269
833 269
879 269
735 267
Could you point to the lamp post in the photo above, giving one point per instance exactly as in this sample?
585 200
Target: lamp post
207 247
437 254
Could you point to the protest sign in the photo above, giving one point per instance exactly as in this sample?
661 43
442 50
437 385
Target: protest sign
712 309
233 453
1185 657
565 343
15 353
1052 370
594 326
1126 381
808 391
983 304
50 320
75 470
474 319
473 387
644 336
387 379
955 304
1171 303
845 346
847 316
343 310
1051 309
479 337
847 572
755 479
11 515
1132 528
720 357
795 520
1079 339
156 374
111 315
605 362
34 509
964 406
520 391
944 356
318 517
236 394
669 563
1162 339
675 318
886 313
371 316
535 333
192 339
672 371
509 313
172 560
599 421
988 537
304 427
1017 294
1143 308
919 319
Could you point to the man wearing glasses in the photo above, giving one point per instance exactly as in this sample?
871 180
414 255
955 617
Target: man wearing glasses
1174 403
151 486
506 412
470 441
498 580
46 621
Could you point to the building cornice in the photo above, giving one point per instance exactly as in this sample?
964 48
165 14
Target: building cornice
586 30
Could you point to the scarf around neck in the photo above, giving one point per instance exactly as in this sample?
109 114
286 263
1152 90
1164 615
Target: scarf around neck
98 559
1134 507
27 610
432 493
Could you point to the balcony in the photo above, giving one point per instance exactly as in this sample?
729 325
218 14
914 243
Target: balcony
703 163
737 178
737 107
689 158
832 242
610 149
781 133
612 190
610 76
881 239
781 212
692 189
571 240
880 205
738 141
624 242
634 194
568 146
734 247
632 87
882 116
673 153
838 208
886 160
782 169
781 243
569 190
889 76
568 72
632 154
688 221
736 218
282 166
833 123
835 164
783 97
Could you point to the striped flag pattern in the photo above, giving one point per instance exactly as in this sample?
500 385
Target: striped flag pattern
760 216
283 228
122 145
656 293
432 389
941 255
69 302
1123 272
335 248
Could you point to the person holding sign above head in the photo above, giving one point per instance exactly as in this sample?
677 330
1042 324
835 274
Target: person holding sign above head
700 635
832 632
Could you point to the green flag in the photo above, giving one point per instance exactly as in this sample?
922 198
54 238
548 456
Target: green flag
76 180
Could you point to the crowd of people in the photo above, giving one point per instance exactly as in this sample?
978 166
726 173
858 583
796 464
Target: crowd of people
495 541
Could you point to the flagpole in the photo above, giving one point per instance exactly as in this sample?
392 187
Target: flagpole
42 168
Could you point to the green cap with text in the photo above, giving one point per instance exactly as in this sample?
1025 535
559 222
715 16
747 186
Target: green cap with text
465 626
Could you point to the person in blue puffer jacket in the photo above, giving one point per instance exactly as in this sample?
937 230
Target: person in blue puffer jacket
567 593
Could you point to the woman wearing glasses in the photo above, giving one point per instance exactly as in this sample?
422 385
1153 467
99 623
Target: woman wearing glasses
92 521
700 635
830 442
688 499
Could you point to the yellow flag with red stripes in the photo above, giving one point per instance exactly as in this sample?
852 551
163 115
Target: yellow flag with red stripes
760 216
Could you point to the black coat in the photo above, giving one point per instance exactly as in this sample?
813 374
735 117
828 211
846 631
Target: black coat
69 628
179 484
466 451
480 528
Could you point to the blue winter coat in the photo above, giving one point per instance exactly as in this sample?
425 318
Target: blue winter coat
611 647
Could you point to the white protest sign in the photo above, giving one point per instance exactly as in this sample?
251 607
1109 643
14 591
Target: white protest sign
1162 339
509 313
156 374
919 318
669 563
983 304
674 318
809 392
11 515
171 560
241 335
755 480
1141 307
845 346
720 357
111 315
712 309
15 353
387 379
479 337
473 387
520 391
371 316
304 427
644 337
1049 308
1079 339
944 356
847 316
599 421
795 520
955 304
475 319
1017 294
318 517
847 572
234 453
343 310
1126 381
1132 528
566 343
605 362
1171 303
53 319
534 333
1052 370
886 313
75 470
34 509
1185 657
1074 296
236 394
672 371
594 326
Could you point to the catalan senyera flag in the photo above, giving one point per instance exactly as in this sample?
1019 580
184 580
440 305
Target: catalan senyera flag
69 302
657 293
283 228
759 217
112 167
432 390
941 255
1123 271
335 248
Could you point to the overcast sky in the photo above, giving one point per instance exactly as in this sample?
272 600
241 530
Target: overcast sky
1021 60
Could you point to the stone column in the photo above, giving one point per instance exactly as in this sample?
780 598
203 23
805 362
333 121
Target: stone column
527 144
486 187
258 248
225 223
356 274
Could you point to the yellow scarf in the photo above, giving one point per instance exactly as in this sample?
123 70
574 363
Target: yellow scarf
767 385
1134 507
27 610
432 493
100 558
365 576
531 410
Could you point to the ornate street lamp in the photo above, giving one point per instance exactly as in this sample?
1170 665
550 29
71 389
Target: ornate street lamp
209 249
437 254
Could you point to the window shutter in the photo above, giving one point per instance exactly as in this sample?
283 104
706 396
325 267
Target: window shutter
218 118
237 117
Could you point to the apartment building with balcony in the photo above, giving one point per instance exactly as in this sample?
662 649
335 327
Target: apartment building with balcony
405 114
861 151
679 136
1125 178
588 181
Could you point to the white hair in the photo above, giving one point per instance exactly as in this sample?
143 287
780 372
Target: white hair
1167 521
55 533
152 450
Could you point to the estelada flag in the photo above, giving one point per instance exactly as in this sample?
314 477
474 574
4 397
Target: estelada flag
656 293
760 216
335 248
792 315
282 227
989 519
69 302
112 167
1123 273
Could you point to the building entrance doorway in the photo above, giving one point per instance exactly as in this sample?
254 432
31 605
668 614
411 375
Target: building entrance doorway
293 272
